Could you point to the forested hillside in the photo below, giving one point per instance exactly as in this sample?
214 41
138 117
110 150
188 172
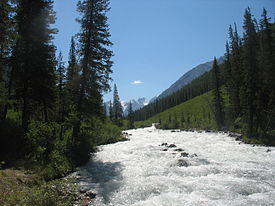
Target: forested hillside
197 87
189 77
51 113
248 76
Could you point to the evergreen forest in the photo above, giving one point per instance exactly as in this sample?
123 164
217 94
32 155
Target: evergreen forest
52 112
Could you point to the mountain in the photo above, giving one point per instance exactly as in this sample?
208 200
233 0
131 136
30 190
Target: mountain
189 77
136 104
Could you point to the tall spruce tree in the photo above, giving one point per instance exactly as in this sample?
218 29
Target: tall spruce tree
236 70
267 74
117 108
34 64
218 99
130 116
230 114
95 58
61 87
111 112
250 86
7 39
73 75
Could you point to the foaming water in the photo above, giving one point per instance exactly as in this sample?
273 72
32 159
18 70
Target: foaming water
215 170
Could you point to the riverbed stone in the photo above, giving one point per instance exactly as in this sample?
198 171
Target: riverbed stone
183 163
179 150
172 146
184 154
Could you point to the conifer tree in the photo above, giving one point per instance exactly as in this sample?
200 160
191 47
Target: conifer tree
236 69
7 39
130 116
61 87
95 57
34 64
117 108
73 75
217 99
267 74
250 86
111 112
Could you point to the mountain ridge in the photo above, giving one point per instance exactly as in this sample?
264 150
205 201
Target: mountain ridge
188 77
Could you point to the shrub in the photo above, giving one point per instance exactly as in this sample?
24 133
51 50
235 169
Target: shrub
12 141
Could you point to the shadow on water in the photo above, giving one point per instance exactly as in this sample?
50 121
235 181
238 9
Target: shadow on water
106 176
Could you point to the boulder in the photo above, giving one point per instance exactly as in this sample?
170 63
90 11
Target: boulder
179 150
184 154
193 155
82 190
172 146
90 194
182 163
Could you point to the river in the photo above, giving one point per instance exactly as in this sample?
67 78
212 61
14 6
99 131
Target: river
203 169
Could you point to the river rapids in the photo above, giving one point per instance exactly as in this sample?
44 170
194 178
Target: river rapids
165 168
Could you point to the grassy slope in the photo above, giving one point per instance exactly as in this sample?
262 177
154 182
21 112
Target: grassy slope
195 113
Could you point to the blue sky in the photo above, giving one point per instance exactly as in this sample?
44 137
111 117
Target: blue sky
157 41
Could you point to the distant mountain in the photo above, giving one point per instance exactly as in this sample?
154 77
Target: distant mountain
189 77
153 99
136 104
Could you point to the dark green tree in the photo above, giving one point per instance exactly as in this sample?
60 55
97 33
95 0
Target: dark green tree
95 58
117 108
266 98
60 73
130 116
7 39
111 110
217 98
250 86
73 75
236 70
34 65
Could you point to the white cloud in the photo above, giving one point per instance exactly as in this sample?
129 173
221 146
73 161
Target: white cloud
137 82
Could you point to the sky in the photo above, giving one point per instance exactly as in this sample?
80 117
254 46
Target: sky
157 41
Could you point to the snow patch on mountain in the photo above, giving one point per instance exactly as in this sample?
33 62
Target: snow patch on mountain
136 104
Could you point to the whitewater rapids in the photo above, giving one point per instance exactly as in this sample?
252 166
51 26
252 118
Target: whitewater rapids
217 171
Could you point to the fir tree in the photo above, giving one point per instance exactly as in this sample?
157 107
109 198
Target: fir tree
73 76
266 104
111 112
34 64
217 99
250 86
61 87
236 69
130 116
117 108
7 39
94 57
